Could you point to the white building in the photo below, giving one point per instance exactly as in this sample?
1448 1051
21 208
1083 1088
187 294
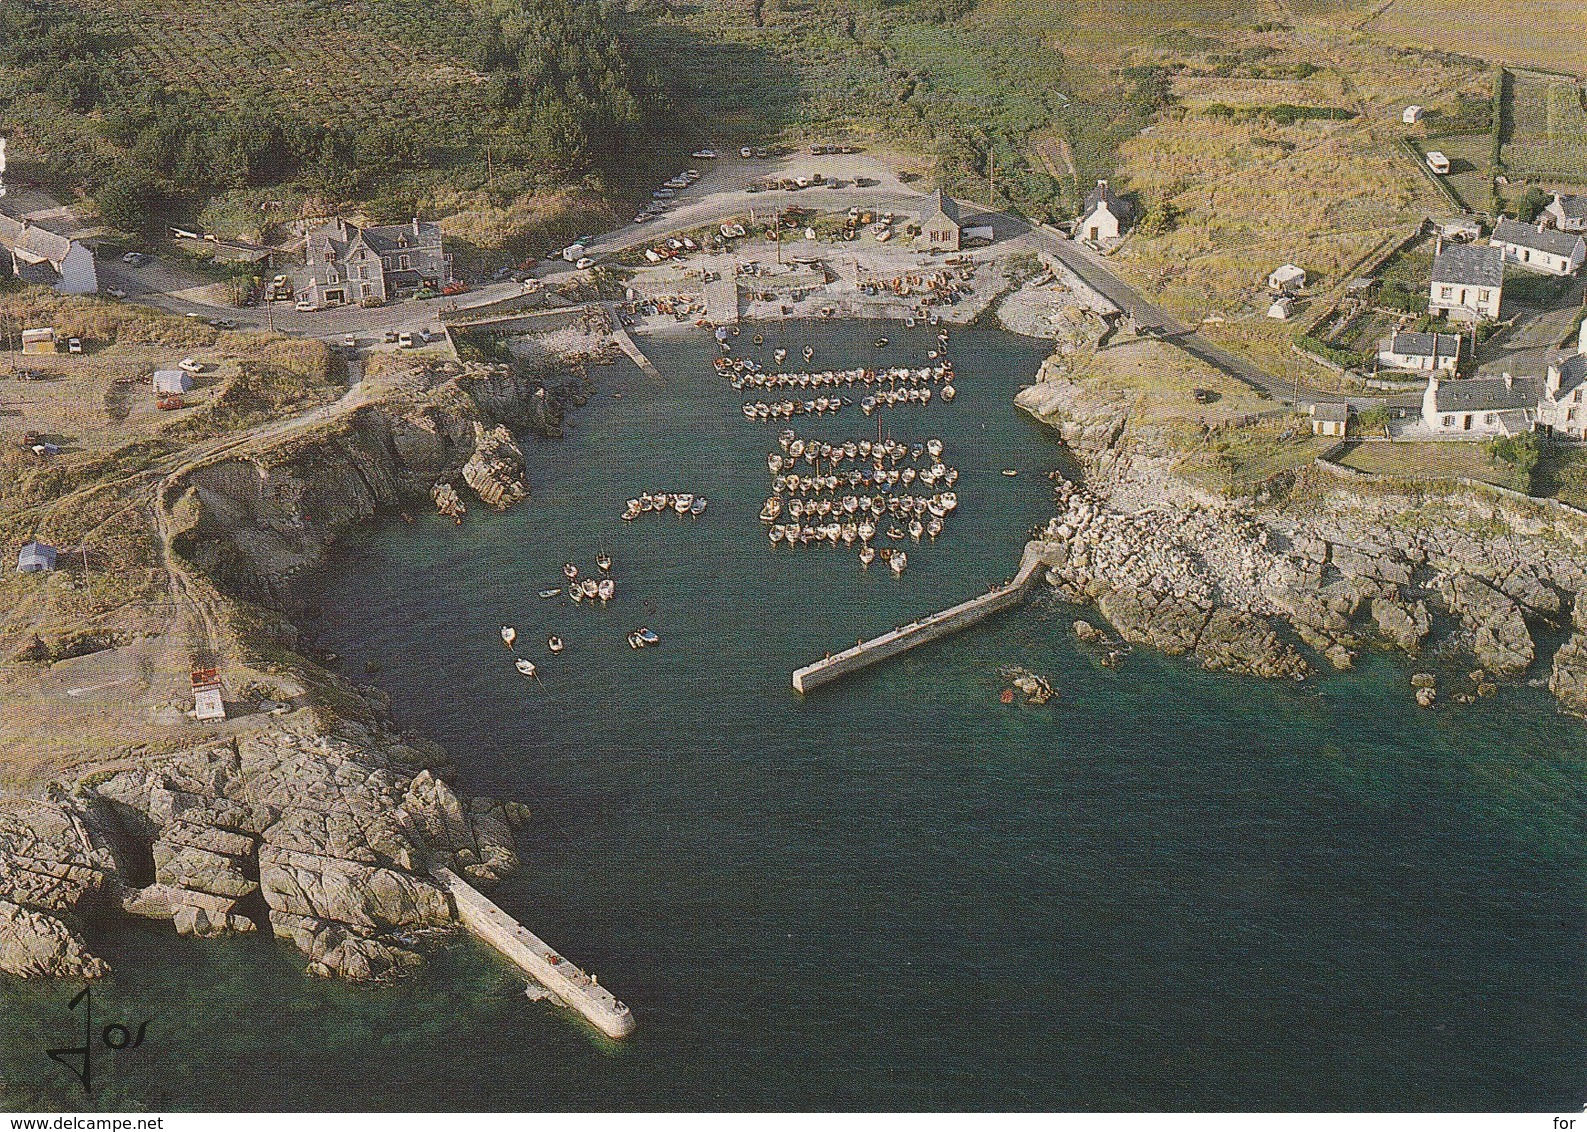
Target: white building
1538 248
1330 418
1413 115
1105 216
1467 283
1287 279
1417 352
1563 408
37 255
1482 407
1567 213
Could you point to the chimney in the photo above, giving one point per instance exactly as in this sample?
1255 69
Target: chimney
1552 381
1509 382
1438 246
415 225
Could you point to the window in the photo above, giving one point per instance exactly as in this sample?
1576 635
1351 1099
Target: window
402 263
1446 292
1487 418
1449 421
332 277
1482 296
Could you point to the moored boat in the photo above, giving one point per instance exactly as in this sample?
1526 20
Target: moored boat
551 593
554 643
527 667
867 555
604 561
605 589
898 561
508 635
570 571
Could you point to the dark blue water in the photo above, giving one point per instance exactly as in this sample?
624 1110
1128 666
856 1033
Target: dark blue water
1165 889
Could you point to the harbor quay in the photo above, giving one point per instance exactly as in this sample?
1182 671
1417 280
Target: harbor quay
932 628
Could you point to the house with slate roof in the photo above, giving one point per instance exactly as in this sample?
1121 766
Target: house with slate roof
1567 212
1404 350
1105 216
349 264
37 255
940 225
1467 282
1481 407
1539 248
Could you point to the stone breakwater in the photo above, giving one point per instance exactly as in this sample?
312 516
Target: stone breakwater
325 841
1315 573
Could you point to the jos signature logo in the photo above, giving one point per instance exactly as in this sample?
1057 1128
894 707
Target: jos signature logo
79 1060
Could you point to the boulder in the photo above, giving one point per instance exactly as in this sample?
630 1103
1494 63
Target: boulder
36 945
1405 623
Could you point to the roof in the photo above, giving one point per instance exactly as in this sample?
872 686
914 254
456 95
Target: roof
1572 372
388 239
33 241
39 334
1335 411
1287 272
1487 394
1103 194
1572 206
1417 345
1548 240
36 553
942 205
1513 422
1469 264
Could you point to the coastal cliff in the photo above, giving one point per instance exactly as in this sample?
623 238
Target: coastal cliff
1310 570
305 814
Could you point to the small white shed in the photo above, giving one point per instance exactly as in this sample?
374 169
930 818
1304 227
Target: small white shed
1413 115
172 381
1287 279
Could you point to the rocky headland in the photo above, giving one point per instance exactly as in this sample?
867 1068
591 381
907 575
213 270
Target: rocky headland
305 814
1311 570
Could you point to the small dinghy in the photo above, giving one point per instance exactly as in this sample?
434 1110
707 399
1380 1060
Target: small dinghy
867 555
1011 472
881 343
527 667
570 571
554 643
779 354
810 352
898 561
551 593
698 506
508 635
605 589
604 561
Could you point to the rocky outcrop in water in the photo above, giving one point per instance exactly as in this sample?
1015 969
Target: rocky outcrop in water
496 469
1338 563
326 841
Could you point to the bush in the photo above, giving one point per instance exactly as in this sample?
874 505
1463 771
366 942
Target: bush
1520 453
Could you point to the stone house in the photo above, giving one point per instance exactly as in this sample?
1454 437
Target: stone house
349 264
1467 282
1539 248
1481 407
1330 418
940 226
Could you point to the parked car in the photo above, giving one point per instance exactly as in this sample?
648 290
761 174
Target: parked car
190 365
704 154
115 292
305 305
746 151
74 345
405 340
424 336
134 259
350 341
457 286
584 263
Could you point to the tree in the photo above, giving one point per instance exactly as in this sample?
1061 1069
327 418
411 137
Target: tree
1531 204
1521 453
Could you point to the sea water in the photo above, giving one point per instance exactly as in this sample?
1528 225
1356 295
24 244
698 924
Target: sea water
1164 889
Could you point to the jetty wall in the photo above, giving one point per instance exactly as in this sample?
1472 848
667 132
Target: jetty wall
536 958
932 628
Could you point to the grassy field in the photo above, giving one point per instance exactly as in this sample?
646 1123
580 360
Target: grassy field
1546 129
1548 34
1430 460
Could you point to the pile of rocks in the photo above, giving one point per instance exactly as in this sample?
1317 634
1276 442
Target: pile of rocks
496 469
326 840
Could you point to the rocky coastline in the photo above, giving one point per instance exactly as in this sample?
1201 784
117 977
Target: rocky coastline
1313 570
317 821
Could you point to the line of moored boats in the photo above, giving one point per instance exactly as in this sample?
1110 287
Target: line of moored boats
661 502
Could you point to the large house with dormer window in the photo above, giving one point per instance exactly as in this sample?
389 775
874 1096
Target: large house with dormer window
349 264
1508 406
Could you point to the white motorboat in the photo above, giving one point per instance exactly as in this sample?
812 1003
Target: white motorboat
554 643
772 509
949 393
1011 472
683 502
604 561
898 561
527 667
576 591
647 636
867 555
776 533
779 354
551 593
866 530
934 527
916 529
774 462
810 352
698 506
592 588
570 571
605 589
508 635
949 500
934 447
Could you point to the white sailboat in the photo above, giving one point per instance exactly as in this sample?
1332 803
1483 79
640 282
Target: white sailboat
508 635
527 667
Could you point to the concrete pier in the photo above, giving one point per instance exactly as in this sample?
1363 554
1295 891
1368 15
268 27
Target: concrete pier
721 296
932 628
625 342
536 958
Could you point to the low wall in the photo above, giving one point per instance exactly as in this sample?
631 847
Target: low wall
535 957
1328 462
932 628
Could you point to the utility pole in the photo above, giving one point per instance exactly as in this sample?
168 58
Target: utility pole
991 172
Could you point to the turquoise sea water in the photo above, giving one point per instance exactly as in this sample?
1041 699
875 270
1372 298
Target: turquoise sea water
1165 889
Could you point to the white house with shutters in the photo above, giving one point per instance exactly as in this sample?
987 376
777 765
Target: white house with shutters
1539 248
